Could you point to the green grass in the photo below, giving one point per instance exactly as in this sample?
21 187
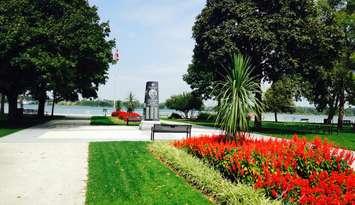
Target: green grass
207 179
7 128
344 139
103 120
7 131
126 173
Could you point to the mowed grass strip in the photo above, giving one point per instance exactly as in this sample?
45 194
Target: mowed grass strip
126 173
107 120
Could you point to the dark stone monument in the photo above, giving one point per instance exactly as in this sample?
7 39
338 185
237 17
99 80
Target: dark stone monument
151 106
151 101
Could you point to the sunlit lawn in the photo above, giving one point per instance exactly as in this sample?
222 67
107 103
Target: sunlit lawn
126 173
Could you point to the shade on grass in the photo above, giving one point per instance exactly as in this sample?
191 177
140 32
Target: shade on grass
7 131
103 120
126 173
7 127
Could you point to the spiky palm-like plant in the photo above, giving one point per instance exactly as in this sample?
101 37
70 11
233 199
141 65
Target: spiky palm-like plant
237 97
131 102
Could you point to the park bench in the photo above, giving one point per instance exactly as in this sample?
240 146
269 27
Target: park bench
133 119
165 128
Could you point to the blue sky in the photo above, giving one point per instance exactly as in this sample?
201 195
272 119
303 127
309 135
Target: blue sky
155 43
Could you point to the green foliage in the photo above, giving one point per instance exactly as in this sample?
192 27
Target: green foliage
87 102
185 103
52 45
330 89
174 116
125 173
205 178
106 120
280 37
279 97
118 105
237 97
204 116
131 102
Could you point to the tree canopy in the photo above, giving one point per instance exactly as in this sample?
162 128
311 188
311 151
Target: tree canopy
280 37
55 45
185 103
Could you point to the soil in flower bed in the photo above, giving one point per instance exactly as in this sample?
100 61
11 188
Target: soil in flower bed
296 171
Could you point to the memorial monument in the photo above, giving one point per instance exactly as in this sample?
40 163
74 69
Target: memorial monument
151 105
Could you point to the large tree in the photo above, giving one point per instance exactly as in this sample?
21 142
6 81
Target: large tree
333 88
280 37
185 102
279 98
55 45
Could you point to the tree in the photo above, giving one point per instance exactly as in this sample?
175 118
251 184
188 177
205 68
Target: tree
131 103
56 45
237 98
280 97
333 88
280 37
2 104
185 102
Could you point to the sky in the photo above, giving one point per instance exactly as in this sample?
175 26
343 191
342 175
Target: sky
154 39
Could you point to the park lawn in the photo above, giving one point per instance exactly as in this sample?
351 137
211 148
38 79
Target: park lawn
126 173
7 128
108 120
344 139
7 131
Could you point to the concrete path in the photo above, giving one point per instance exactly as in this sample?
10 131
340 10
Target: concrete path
47 164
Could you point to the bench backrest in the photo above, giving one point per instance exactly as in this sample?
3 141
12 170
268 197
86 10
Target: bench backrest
177 128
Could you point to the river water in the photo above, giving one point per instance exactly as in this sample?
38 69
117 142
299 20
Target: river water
87 111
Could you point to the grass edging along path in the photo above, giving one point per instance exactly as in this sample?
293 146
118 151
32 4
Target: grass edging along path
108 120
344 139
207 179
127 173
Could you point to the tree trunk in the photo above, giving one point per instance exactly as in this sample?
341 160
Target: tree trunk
41 107
186 113
275 116
341 110
332 110
52 114
2 104
13 113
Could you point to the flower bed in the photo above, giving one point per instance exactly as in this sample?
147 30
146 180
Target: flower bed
125 115
293 170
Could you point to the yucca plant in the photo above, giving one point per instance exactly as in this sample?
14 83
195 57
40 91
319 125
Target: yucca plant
237 97
131 102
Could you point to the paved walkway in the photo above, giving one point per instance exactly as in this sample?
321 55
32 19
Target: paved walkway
47 164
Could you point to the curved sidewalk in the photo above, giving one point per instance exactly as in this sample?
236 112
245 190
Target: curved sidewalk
47 164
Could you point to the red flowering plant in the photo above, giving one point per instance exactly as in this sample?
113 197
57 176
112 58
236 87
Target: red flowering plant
125 115
295 170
